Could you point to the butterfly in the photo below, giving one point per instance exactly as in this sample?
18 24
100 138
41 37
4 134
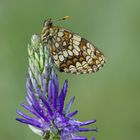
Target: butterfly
70 52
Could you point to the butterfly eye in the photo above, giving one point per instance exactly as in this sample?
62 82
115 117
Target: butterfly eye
47 23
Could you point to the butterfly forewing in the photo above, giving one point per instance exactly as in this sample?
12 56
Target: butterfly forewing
74 54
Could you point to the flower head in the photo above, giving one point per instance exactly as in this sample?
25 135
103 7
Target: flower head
45 101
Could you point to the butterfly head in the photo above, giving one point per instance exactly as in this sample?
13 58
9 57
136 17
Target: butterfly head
48 23
48 30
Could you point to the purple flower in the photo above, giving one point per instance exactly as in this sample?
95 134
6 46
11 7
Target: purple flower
45 101
50 116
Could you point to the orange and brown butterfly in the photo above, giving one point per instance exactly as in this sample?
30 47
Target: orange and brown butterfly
70 52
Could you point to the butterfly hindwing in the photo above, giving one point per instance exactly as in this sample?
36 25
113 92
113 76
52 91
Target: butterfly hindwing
74 54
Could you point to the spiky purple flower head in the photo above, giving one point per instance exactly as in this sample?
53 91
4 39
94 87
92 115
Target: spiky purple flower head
45 101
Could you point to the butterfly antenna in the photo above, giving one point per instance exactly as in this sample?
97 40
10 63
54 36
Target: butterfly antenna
64 18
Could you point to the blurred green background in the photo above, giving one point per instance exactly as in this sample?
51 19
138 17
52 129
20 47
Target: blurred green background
112 95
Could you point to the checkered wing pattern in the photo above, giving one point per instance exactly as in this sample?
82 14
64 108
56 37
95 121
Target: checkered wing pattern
74 54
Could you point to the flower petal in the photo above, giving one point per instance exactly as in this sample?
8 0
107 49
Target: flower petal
62 97
29 108
68 106
72 113
29 122
87 122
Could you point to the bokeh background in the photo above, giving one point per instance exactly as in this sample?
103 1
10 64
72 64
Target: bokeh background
112 95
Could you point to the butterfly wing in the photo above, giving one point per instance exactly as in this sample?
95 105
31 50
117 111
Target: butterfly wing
74 54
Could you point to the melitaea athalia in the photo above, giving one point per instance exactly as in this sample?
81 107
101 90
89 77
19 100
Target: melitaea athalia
70 52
